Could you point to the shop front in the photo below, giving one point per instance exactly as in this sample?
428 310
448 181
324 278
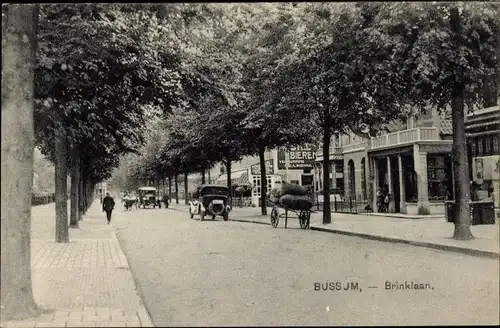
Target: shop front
412 179
483 136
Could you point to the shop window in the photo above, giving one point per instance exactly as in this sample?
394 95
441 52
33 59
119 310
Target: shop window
410 179
480 147
256 189
487 146
473 148
439 177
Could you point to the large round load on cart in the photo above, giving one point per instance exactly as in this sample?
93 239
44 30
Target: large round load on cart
292 196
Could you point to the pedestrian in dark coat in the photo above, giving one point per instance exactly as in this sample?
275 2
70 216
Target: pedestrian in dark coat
108 204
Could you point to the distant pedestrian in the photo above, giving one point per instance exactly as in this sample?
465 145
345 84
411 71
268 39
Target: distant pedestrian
166 199
386 202
380 200
108 204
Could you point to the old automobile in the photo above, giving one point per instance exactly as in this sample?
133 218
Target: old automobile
148 197
210 200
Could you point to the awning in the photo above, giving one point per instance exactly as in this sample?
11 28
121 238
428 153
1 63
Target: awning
242 180
481 125
239 177
485 133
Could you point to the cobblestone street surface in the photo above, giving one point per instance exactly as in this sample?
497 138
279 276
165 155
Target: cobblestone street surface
86 282
217 273
432 232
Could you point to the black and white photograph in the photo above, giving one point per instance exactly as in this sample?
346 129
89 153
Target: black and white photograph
221 164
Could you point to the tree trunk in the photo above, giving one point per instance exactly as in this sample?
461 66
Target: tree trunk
80 199
229 185
169 188
203 176
89 195
459 148
163 186
186 189
176 189
263 181
75 185
61 185
209 176
327 214
18 60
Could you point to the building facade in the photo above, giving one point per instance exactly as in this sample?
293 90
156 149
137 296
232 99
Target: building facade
412 163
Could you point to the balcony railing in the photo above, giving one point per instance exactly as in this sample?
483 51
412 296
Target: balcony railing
354 146
333 150
406 136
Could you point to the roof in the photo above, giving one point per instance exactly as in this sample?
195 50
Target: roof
446 126
446 123
147 188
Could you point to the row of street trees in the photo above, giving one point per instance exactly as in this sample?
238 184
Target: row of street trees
303 72
78 81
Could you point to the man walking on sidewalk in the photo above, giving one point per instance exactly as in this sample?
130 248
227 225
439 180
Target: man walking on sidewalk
108 204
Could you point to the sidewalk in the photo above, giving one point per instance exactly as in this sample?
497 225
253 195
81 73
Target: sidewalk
432 232
86 282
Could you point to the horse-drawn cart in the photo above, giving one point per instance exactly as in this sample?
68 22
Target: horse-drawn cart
292 202
283 212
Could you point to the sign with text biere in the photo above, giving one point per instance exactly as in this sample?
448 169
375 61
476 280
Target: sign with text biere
300 157
255 169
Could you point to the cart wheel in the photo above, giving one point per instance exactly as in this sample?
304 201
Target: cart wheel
303 220
202 216
275 217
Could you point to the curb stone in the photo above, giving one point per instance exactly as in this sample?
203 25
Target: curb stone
142 313
455 249
144 317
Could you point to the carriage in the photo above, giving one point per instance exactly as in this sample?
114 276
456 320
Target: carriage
295 206
283 212
129 201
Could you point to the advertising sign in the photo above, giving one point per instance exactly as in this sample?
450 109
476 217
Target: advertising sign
255 169
301 157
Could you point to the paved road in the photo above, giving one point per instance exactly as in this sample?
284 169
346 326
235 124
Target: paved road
216 273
